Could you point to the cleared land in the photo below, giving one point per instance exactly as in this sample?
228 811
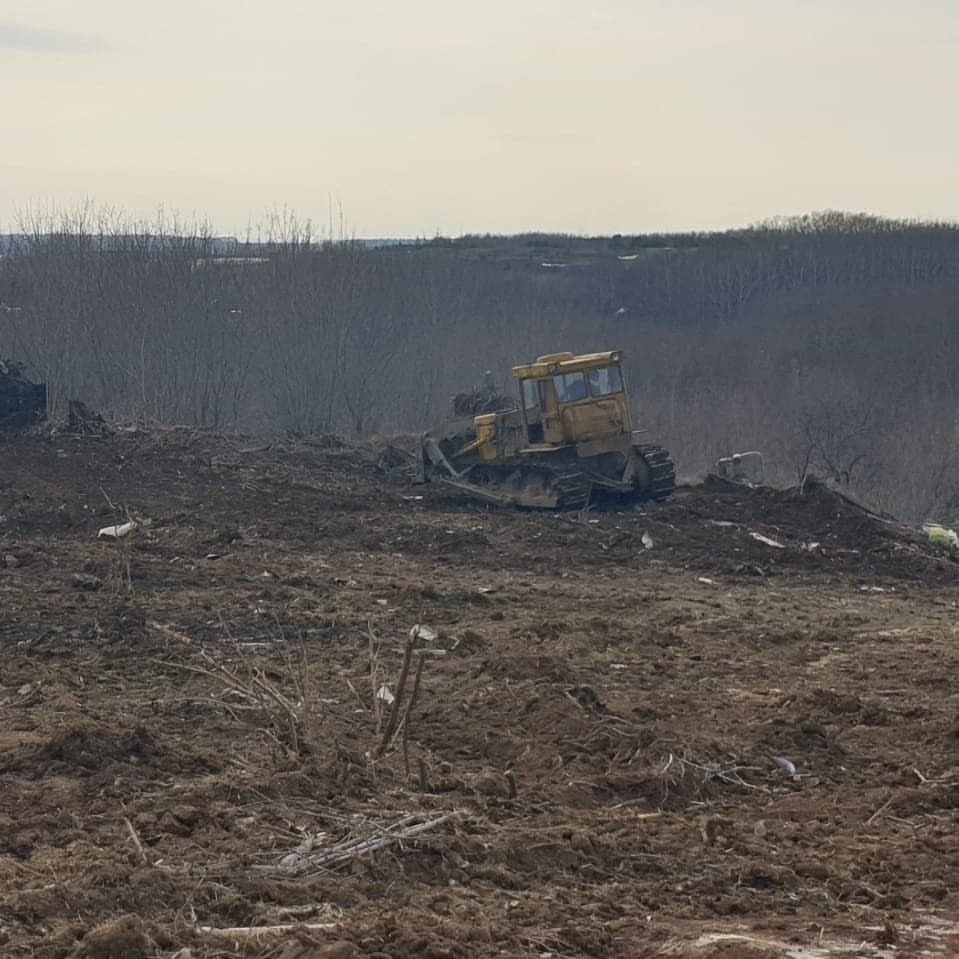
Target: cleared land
598 760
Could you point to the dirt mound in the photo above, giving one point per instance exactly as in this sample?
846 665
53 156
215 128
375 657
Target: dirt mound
22 403
92 747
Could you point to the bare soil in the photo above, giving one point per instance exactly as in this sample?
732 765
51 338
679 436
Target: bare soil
713 747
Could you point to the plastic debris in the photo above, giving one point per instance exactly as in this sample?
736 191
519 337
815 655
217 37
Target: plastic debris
785 765
706 580
941 536
384 695
116 532
647 541
765 539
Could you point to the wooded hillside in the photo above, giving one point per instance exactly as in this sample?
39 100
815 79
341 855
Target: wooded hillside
829 342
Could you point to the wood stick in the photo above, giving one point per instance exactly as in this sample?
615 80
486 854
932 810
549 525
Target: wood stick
374 657
398 698
405 723
257 932
879 811
169 632
136 841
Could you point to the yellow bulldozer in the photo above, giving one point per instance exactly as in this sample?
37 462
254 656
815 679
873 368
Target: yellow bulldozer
568 441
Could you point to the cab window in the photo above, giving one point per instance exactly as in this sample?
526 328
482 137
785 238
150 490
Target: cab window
530 394
605 380
570 387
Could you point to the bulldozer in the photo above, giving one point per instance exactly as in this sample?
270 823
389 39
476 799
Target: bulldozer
566 443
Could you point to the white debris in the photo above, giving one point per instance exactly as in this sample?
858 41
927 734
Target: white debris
941 536
384 695
809 547
617 666
117 532
765 539
424 633
486 589
745 469
785 765
647 541
706 580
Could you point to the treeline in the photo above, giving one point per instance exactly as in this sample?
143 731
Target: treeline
829 342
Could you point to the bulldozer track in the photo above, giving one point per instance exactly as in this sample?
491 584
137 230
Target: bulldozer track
569 490
662 471
573 490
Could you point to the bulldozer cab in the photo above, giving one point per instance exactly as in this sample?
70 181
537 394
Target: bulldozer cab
573 399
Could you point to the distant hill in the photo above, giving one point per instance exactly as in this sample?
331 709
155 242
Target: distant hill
828 341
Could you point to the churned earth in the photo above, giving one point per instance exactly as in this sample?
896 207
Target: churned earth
725 726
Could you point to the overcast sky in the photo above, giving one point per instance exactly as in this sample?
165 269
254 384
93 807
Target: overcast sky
426 116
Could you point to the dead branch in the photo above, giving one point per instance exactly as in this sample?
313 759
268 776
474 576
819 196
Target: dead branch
303 864
136 841
405 722
261 932
400 689
169 632
374 684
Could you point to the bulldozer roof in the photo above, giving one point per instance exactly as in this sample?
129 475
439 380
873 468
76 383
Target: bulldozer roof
555 363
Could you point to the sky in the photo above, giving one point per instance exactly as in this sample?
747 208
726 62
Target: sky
427 117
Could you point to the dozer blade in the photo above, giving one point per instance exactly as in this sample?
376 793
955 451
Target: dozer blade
478 492
528 490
